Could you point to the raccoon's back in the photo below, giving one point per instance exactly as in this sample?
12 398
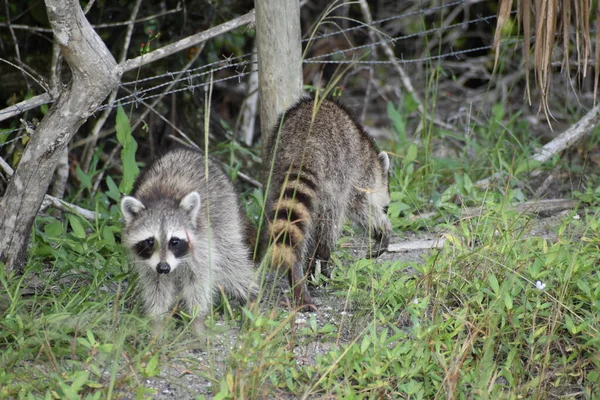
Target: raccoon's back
176 174
325 137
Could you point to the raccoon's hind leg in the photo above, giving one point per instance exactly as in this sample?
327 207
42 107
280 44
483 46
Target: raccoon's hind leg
321 252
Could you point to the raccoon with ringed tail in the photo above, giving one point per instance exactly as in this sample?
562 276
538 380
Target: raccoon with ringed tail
325 169
185 232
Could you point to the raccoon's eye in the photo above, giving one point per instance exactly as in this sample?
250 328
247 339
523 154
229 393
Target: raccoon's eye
385 210
144 248
178 247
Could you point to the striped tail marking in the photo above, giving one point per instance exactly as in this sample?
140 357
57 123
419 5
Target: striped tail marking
290 217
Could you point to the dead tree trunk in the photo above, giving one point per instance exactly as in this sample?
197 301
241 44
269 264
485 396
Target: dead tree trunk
279 59
94 75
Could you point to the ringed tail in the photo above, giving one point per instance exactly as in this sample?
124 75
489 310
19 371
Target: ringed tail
290 217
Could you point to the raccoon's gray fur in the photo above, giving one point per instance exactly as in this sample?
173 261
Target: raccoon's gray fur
185 233
325 169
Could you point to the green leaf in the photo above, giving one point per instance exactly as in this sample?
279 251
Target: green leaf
130 168
76 226
108 236
54 229
86 180
80 379
398 121
494 283
152 366
411 154
508 302
468 183
365 344
113 192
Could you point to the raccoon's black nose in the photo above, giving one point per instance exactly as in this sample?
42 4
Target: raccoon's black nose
163 268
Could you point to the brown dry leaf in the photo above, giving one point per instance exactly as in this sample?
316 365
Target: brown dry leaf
503 17
552 18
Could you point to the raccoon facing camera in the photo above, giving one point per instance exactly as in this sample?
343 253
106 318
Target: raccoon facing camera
325 169
185 233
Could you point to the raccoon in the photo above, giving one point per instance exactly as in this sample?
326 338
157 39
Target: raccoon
325 169
185 231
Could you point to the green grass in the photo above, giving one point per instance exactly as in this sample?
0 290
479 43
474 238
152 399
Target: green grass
502 311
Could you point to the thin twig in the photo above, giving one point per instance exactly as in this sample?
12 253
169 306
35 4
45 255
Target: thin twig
148 18
547 207
88 6
21 68
406 82
98 26
187 42
16 43
53 201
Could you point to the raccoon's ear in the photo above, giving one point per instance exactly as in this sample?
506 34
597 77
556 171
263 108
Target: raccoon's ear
130 208
191 205
384 159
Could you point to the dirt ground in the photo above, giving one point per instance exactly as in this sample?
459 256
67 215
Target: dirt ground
176 381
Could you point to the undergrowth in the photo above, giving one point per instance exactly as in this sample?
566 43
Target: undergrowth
501 311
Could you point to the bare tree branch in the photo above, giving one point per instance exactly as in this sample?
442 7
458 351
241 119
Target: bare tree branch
562 142
89 149
53 201
94 74
187 42
24 105
97 26
137 62
569 137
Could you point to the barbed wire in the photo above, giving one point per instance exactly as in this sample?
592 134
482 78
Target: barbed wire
189 79
229 60
138 98
422 11
394 40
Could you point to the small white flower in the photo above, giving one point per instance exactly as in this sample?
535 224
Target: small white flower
415 301
540 285
576 216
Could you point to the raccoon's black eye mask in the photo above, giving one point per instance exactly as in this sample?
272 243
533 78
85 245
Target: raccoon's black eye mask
145 248
178 247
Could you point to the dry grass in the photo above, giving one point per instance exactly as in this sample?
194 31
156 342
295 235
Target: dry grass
553 19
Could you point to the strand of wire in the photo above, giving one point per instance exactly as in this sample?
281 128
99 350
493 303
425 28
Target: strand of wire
397 39
136 97
316 60
187 77
425 11
187 87
228 61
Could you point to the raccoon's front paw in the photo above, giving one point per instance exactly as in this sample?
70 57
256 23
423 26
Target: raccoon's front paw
380 246
199 327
